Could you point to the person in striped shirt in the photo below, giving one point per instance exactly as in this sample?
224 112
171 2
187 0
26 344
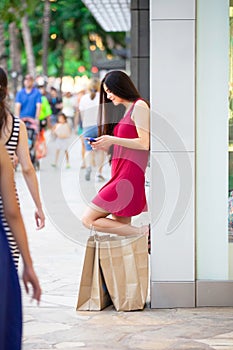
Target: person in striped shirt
13 134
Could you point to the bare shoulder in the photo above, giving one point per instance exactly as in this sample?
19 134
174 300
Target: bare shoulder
141 104
22 126
140 108
21 122
141 115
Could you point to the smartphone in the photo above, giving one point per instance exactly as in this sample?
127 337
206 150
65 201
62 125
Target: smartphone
91 139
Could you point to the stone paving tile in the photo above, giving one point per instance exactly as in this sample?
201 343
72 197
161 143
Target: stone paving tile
70 345
207 328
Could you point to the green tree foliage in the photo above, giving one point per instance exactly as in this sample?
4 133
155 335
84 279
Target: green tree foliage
13 10
71 24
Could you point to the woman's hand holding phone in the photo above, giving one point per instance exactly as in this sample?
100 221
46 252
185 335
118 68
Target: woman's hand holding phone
91 139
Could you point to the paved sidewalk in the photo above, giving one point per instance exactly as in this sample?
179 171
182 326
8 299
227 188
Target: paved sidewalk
58 252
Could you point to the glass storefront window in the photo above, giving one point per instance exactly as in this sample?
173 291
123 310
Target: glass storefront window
230 182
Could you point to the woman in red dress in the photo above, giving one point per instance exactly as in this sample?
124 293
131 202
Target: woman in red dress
124 129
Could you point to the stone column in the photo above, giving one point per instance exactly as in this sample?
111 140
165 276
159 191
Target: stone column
140 40
172 202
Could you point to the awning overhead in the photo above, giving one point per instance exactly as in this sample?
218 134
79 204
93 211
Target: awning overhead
112 15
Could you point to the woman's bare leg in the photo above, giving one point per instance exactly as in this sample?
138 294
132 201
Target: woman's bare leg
118 225
57 156
88 158
83 150
67 156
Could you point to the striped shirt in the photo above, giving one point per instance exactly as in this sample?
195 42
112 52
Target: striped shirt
11 146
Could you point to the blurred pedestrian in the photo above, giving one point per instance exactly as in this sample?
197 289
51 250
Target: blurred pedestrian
79 126
88 106
13 135
62 132
69 108
46 110
125 126
44 123
28 100
56 105
10 293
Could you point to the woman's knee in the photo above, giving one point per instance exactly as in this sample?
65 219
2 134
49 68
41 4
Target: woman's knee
91 215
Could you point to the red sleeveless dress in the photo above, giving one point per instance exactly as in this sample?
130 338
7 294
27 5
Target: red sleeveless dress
124 194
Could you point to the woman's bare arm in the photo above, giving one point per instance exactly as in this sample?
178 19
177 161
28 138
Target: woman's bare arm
15 221
29 174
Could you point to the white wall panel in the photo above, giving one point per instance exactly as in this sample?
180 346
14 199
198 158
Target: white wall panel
173 81
173 9
172 216
212 139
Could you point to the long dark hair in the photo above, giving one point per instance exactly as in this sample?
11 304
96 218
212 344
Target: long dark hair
3 94
120 84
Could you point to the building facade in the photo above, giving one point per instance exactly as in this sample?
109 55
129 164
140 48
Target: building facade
189 81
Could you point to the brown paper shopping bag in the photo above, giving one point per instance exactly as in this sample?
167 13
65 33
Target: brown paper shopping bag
93 294
124 262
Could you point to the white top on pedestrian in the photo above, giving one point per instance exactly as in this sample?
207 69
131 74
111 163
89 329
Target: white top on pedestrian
89 110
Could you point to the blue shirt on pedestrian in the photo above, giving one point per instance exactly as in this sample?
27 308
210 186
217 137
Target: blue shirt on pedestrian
28 102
